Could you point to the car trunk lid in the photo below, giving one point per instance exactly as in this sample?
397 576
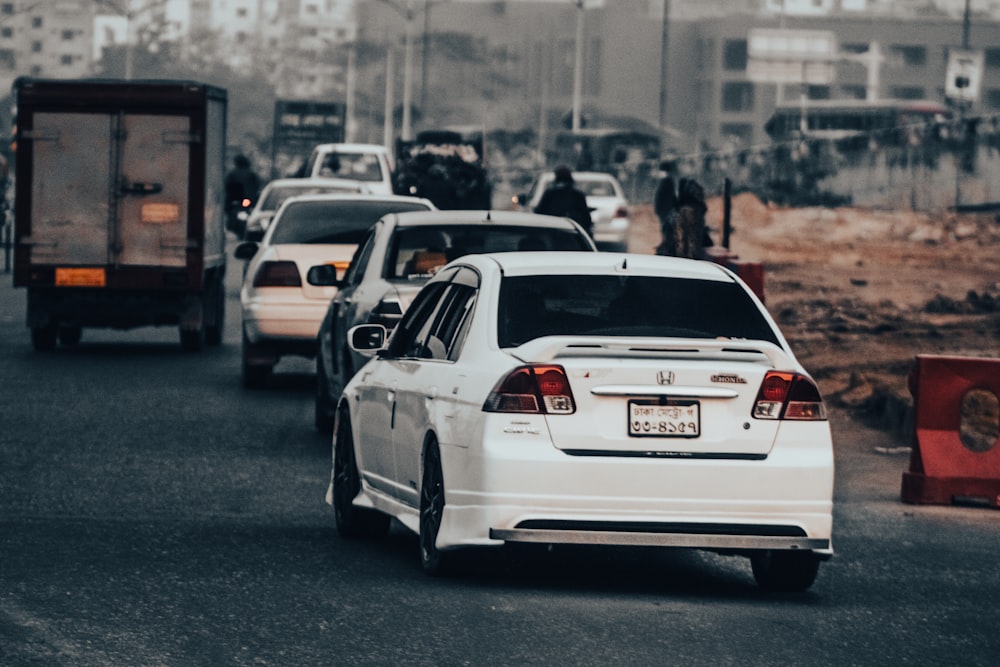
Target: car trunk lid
644 397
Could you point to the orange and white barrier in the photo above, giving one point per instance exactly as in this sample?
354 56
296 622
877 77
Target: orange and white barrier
942 468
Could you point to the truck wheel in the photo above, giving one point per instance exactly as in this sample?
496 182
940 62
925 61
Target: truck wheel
43 339
70 335
192 340
213 332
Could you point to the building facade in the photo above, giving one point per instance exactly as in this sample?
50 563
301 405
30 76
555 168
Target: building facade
681 67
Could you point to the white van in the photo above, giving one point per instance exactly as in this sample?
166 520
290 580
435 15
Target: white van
369 163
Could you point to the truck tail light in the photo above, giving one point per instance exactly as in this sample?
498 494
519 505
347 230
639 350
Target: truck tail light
536 389
787 395
278 274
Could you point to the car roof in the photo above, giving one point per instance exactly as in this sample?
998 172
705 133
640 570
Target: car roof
586 263
312 182
453 217
357 148
357 196
581 176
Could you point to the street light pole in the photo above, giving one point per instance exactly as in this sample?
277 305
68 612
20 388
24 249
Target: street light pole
406 11
578 66
408 73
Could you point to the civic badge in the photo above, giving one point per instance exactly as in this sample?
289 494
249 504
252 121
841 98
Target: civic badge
665 377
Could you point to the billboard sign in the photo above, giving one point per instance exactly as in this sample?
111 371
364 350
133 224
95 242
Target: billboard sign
964 75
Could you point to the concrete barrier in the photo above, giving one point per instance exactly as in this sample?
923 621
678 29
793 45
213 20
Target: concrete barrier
942 468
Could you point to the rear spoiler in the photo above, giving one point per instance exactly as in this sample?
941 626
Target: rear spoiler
549 348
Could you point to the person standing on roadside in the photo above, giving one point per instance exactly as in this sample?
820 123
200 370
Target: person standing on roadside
665 207
563 199
691 234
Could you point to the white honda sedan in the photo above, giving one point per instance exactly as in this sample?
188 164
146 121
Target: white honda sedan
587 398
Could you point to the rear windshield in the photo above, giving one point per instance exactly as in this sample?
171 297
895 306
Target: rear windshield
333 221
420 251
536 306
355 166
596 188
278 194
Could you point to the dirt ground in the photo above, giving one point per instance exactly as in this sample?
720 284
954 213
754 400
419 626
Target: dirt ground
859 293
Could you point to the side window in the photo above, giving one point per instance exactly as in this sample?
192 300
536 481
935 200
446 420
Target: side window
362 255
307 168
404 341
428 343
459 326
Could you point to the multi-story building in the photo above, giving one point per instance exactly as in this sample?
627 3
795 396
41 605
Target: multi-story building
50 38
669 64
678 66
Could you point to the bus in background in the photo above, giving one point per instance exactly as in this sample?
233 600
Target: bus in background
603 149
858 122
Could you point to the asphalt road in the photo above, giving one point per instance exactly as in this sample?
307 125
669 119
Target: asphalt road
152 512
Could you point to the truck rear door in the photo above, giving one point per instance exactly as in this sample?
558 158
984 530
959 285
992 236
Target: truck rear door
109 189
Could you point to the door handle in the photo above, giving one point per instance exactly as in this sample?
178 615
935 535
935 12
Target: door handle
141 188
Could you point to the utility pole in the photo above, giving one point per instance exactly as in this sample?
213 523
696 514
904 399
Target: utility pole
965 26
578 67
664 64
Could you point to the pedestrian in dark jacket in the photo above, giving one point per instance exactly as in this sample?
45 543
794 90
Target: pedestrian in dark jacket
665 207
563 199
691 234
242 187
242 182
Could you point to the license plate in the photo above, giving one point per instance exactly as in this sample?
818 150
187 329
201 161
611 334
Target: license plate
671 419
73 277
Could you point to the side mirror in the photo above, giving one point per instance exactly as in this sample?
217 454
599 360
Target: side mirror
245 250
323 275
366 337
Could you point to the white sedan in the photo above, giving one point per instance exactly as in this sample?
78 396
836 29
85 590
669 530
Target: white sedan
281 310
578 398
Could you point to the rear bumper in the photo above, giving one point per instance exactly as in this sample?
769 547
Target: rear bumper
265 321
519 488
613 231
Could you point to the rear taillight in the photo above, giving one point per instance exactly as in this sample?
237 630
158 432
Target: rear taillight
621 212
278 274
538 389
787 395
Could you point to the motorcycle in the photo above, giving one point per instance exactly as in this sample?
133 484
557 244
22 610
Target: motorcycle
237 215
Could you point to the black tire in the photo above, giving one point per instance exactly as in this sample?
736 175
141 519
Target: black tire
254 376
70 335
785 571
323 407
432 501
352 522
43 339
193 340
214 331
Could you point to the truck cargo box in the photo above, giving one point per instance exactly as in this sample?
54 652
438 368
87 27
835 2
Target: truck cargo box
120 207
